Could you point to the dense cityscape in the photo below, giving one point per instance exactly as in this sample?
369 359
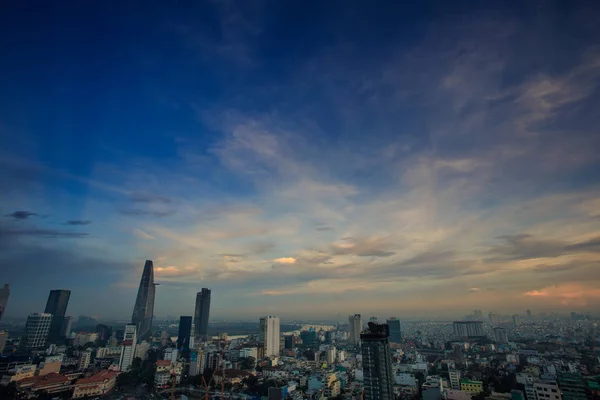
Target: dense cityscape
300 200
495 357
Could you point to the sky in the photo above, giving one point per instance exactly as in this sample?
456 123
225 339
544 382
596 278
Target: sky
303 159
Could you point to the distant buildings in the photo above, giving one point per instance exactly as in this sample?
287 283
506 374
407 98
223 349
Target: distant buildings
494 319
354 328
128 347
501 335
36 330
516 320
269 335
202 314
468 329
3 339
144 303
4 295
395 330
377 363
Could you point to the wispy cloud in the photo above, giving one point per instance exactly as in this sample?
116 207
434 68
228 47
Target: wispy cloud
21 215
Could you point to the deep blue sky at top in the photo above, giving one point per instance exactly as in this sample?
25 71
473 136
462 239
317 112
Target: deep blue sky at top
86 78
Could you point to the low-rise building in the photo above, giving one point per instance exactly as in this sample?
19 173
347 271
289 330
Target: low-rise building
50 383
96 385
470 386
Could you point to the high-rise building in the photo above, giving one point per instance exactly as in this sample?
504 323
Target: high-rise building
3 339
128 347
395 330
354 328
528 313
269 335
57 303
201 314
144 303
36 330
4 295
185 339
454 376
288 342
516 320
103 331
547 390
494 319
84 360
377 363
468 329
501 335
65 330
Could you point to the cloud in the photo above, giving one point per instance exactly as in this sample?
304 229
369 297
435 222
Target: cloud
42 233
474 290
285 260
143 235
21 215
140 197
363 246
78 222
137 212
525 246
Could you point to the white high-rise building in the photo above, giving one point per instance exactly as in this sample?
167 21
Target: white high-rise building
454 379
84 359
269 335
354 328
37 329
128 348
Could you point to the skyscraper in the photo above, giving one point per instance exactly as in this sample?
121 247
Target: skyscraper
128 347
144 303
395 330
466 329
377 363
185 339
57 303
36 330
201 314
500 335
354 328
269 335
4 294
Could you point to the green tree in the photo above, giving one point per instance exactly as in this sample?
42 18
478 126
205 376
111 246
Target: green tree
247 363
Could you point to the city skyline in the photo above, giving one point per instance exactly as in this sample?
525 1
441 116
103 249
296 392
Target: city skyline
298 161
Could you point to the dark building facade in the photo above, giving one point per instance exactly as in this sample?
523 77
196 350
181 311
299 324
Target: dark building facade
186 332
143 310
377 363
395 330
57 303
288 342
4 294
103 331
202 314
309 338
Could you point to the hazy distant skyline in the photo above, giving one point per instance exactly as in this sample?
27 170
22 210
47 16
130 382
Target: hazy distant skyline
304 160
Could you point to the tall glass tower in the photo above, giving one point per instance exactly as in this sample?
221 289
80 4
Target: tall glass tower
4 294
377 363
395 331
144 303
57 303
201 314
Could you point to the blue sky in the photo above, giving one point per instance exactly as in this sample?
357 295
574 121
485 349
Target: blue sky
304 159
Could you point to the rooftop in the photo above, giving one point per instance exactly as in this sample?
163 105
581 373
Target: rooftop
99 377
